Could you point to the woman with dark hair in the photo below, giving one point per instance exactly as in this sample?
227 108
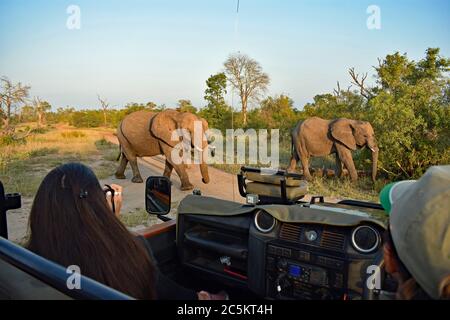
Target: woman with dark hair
71 223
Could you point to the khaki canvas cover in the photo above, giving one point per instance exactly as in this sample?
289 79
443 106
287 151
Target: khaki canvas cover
337 215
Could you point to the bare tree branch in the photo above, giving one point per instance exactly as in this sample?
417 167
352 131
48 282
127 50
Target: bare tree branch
359 82
40 108
105 106
337 91
247 78
11 95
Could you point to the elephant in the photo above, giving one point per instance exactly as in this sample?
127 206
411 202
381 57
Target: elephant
146 134
316 137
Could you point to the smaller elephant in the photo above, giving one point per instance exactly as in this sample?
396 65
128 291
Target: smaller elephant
147 134
316 137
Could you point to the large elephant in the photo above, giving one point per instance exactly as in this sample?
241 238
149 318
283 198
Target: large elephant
146 134
316 137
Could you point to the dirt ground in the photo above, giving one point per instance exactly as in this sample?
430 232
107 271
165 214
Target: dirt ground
223 185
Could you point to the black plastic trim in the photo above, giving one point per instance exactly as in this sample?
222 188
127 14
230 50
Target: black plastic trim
362 204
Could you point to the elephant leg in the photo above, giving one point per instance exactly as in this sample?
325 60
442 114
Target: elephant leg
168 170
339 166
305 164
120 172
346 157
137 178
179 168
293 164
134 167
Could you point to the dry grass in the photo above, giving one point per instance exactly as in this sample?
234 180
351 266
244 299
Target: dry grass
343 188
23 166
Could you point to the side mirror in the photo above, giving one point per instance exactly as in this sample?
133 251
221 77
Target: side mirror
158 195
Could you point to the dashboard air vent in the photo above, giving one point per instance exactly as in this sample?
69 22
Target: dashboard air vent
290 232
332 240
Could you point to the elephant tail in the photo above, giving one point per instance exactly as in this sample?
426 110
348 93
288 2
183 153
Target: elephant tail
120 130
120 153
295 153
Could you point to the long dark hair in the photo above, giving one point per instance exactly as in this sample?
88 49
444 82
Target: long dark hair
71 224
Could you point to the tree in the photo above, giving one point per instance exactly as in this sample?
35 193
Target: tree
276 113
150 105
186 106
27 114
216 112
410 113
409 108
87 119
247 78
105 106
340 104
10 95
216 89
41 108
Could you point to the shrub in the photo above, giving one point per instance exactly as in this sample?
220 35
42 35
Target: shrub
9 140
103 144
409 109
73 134
40 130
43 152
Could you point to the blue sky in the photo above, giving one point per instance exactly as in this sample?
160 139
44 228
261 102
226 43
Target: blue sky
164 50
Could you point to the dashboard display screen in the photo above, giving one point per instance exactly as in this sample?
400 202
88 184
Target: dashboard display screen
295 271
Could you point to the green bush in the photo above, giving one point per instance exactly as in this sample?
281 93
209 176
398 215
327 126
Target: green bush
104 144
87 119
409 109
9 140
42 152
40 130
73 134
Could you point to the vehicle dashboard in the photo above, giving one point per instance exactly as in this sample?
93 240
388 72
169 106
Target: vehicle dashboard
277 259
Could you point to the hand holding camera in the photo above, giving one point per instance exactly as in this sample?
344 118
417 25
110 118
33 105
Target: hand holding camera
113 194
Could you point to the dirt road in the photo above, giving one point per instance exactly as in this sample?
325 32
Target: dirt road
223 185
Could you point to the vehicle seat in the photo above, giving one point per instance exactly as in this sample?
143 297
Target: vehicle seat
270 186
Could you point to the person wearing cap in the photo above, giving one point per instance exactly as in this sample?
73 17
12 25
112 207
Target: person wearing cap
417 245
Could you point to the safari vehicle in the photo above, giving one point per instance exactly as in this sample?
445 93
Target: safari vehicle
274 247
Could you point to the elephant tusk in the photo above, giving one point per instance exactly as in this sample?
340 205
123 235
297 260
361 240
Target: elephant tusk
373 150
198 148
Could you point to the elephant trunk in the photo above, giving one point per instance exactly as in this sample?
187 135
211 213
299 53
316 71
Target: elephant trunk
204 166
375 152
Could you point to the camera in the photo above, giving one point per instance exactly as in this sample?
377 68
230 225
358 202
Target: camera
7 202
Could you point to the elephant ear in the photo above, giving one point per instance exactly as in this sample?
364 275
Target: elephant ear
342 131
162 126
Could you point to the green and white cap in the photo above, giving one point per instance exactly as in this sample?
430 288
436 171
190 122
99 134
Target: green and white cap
419 222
